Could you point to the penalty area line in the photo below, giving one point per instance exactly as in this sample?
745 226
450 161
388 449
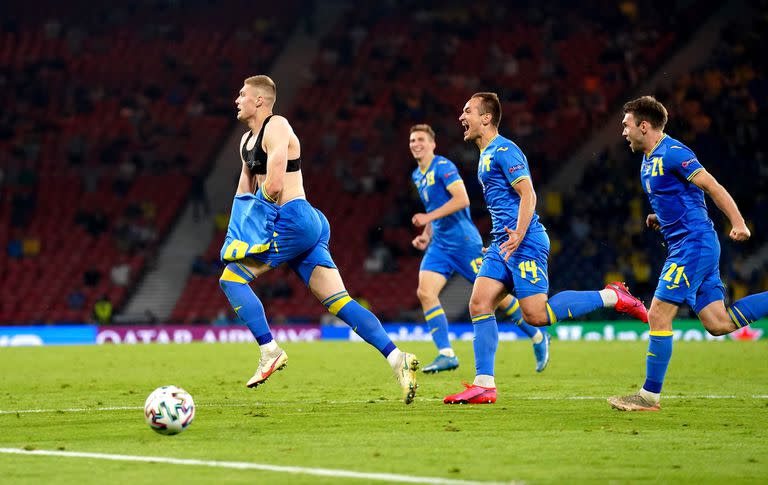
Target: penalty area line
362 401
240 465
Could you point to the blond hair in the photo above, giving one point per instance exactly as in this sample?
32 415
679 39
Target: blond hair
265 83
425 128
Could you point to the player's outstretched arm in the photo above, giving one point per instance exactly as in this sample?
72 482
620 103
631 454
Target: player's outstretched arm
277 136
706 182
458 201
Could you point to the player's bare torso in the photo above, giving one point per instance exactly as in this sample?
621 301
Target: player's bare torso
293 185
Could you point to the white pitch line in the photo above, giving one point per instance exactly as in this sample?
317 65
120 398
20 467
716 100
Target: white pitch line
240 465
361 401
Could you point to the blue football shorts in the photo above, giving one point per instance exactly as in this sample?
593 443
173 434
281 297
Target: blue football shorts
302 234
691 272
525 274
445 261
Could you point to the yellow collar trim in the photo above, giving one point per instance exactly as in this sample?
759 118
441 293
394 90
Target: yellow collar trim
656 145
489 143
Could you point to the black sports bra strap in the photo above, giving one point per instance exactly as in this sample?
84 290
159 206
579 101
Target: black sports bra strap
256 157
261 131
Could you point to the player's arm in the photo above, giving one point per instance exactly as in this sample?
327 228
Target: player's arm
524 188
246 183
277 135
421 241
427 232
723 200
458 201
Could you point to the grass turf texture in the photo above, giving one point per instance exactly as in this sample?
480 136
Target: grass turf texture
337 406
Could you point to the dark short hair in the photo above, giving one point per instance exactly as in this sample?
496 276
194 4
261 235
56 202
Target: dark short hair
490 104
647 108
425 128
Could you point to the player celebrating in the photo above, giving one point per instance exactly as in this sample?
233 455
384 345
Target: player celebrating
517 259
452 243
272 223
676 182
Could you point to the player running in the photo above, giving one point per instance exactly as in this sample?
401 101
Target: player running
272 223
517 258
452 244
676 182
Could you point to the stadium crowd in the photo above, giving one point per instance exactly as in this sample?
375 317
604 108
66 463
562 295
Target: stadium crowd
111 113
81 186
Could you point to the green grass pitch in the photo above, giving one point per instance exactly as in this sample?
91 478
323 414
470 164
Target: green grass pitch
336 406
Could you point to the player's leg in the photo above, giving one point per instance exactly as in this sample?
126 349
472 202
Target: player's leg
296 229
510 306
468 264
431 283
719 320
318 271
234 282
657 359
326 284
573 304
486 294
540 311
529 267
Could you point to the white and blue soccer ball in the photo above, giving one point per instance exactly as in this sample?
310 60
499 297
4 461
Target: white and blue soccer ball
169 410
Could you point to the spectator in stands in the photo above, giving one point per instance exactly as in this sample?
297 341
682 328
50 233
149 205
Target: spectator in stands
120 274
76 299
15 248
199 197
102 310
92 277
30 246
205 267
224 318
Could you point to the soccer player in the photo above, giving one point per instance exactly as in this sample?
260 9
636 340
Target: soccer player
452 244
676 182
272 223
517 258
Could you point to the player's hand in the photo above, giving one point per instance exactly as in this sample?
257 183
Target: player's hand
740 233
420 242
420 219
510 245
485 249
652 221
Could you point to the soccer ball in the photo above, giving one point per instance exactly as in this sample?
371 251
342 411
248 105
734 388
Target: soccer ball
169 410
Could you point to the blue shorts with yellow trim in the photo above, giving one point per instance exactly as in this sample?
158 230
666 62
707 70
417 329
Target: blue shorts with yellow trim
251 227
525 274
301 240
691 272
466 262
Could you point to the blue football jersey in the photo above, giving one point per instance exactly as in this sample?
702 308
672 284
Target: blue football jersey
502 165
666 174
454 230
